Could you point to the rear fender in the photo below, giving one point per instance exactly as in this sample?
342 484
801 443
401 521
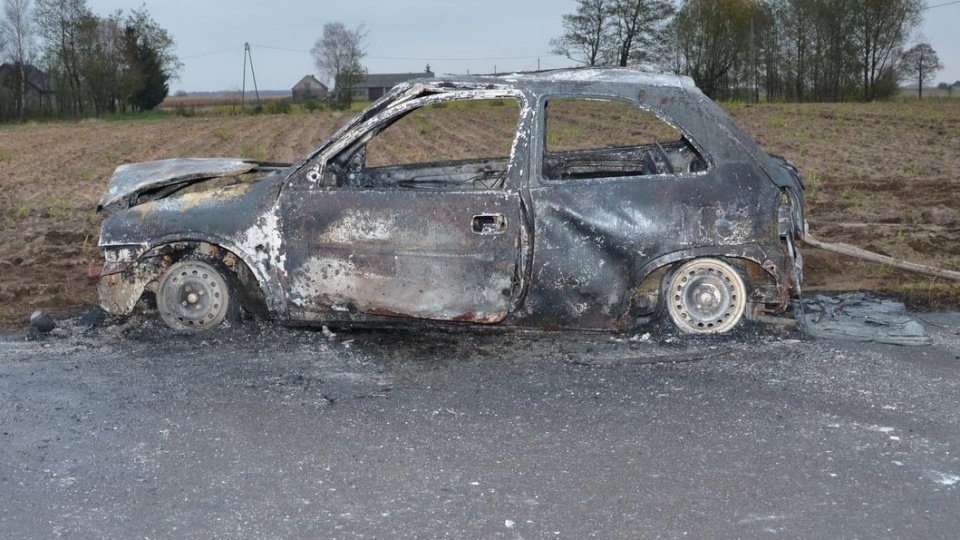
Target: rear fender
765 281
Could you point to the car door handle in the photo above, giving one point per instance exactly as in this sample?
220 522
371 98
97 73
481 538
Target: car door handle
489 224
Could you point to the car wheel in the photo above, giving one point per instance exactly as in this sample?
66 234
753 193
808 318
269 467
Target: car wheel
195 295
706 296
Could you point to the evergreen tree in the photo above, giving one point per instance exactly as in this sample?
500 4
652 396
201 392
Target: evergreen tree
146 68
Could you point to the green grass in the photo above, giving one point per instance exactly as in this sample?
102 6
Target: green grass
777 122
21 211
813 181
909 94
256 152
57 207
222 134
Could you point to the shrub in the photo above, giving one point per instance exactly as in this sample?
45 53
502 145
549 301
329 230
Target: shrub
185 110
279 106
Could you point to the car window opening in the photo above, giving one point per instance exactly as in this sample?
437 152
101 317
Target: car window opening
579 142
456 145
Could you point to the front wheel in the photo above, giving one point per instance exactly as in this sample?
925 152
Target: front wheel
706 296
195 295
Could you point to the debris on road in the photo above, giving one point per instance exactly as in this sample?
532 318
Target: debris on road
859 316
41 322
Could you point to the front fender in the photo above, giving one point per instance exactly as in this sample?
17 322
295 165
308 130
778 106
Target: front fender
240 219
122 282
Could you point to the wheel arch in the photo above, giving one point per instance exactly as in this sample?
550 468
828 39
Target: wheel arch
258 292
762 278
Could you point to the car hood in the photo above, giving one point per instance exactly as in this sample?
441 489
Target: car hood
131 182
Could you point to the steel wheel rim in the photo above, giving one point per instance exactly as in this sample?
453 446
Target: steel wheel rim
706 296
193 296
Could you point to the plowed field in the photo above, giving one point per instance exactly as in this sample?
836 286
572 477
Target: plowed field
883 176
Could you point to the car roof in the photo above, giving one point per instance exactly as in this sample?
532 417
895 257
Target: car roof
672 96
573 80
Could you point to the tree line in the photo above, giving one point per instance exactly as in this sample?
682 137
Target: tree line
60 59
782 50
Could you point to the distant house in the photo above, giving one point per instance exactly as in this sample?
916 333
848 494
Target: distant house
375 85
39 88
309 88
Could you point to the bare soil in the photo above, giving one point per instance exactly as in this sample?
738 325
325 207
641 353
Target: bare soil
882 176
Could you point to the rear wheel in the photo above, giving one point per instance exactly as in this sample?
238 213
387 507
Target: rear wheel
706 296
195 295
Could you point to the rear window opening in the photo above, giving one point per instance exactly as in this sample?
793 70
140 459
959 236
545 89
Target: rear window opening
592 138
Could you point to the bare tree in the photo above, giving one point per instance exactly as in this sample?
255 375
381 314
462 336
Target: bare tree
920 63
337 55
17 29
821 60
59 23
635 25
714 40
882 28
586 33
101 62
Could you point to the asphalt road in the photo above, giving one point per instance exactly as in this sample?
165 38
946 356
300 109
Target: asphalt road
265 432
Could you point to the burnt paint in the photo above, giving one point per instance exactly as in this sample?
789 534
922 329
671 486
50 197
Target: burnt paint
570 253
596 238
223 212
408 252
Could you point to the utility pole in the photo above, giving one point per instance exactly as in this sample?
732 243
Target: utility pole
754 76
247 55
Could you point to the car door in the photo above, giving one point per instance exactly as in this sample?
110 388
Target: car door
417 220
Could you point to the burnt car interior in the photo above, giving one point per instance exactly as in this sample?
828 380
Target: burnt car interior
425 148
577 148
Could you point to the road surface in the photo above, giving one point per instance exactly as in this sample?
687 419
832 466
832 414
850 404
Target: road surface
126 431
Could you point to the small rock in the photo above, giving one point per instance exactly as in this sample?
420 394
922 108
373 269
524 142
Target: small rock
42 322
940 215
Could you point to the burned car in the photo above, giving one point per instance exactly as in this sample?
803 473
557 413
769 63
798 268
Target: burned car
584 198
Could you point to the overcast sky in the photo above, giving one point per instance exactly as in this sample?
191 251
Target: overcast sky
452 36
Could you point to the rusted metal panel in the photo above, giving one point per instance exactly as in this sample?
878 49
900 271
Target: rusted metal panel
593 237
403 252
119 294
119 290
131 179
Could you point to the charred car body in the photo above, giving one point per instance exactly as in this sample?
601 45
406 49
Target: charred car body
581 217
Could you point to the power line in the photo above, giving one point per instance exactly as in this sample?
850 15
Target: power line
534 57
421 59
943 4
279 48
221 51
